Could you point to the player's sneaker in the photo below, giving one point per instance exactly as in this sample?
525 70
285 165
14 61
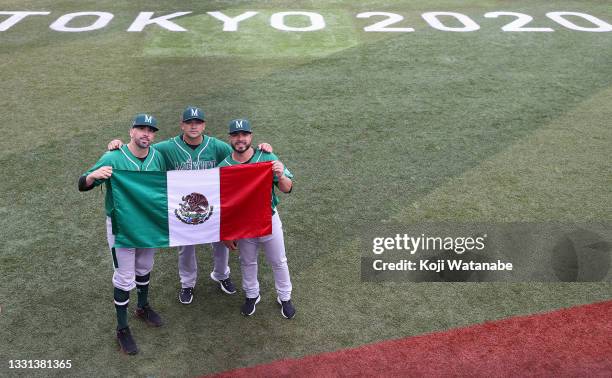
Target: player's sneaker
226 285
126 341
248 308
186 295
287 309
150 317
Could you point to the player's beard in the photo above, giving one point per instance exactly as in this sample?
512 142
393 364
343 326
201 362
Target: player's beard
142 143
243 147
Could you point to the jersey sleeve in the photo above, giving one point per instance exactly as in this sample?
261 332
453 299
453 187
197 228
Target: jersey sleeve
222 150
271 157
161 161
103 161
161 146
164 148
287 173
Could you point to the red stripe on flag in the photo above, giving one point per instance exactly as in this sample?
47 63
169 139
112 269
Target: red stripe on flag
573 342
246 200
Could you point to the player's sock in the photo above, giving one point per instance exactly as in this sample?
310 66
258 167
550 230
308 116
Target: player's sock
142 288
122 298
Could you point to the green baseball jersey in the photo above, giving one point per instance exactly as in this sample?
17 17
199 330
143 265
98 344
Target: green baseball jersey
179 156
122 158
259 157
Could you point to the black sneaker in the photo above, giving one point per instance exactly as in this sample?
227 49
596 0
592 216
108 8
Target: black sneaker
287 309
126 341
248 308
186 295
226 285
149 316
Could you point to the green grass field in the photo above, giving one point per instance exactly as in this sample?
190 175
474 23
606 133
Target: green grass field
378 128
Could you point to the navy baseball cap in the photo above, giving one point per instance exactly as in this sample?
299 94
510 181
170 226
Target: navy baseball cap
191 112
237 125
144 119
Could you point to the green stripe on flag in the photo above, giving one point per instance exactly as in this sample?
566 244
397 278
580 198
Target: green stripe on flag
140 213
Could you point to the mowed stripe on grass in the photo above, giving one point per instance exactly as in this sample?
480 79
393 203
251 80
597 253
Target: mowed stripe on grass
560 172
576 341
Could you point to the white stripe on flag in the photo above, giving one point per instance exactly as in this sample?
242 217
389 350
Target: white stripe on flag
182 184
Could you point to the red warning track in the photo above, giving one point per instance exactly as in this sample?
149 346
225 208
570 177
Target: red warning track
571 342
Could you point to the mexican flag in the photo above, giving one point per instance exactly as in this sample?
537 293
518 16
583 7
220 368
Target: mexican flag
166 209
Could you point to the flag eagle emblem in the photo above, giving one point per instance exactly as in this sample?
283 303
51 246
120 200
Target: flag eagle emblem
194 209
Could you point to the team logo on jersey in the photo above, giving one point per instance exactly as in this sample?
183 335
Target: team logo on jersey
194 209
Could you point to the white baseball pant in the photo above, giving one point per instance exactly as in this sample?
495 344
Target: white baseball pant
274 249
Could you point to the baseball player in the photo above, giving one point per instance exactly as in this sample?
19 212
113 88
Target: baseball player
274 245
194 150
132 266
